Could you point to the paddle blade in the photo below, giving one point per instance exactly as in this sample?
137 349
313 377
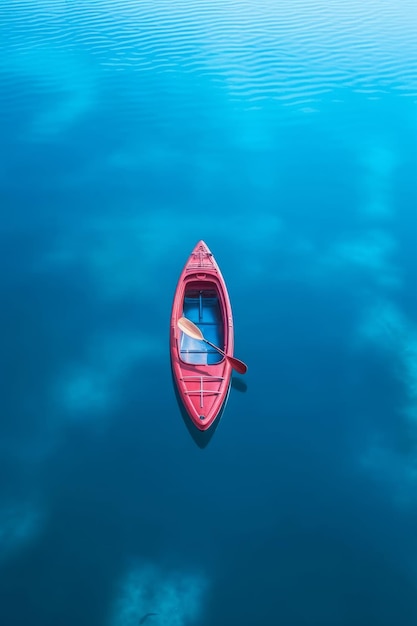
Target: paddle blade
189 328
238 365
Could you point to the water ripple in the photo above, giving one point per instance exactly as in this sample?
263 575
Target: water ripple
294 52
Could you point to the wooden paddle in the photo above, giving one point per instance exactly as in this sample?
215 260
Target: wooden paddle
190 329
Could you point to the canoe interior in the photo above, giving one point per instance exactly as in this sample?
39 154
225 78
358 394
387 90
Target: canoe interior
202 306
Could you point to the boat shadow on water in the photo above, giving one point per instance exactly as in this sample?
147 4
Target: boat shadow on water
239 385
203 437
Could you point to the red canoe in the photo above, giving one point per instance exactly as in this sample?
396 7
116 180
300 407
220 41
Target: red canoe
202 375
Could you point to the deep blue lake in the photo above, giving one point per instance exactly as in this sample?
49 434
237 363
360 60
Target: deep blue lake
284 135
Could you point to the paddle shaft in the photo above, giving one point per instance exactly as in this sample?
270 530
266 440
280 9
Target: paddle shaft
213 346
237 364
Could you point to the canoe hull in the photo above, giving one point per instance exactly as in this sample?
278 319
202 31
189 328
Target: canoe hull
202 376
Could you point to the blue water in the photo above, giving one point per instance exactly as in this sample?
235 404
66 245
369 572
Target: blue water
284 135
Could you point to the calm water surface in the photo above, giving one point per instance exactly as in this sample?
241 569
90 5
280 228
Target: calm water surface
284 135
